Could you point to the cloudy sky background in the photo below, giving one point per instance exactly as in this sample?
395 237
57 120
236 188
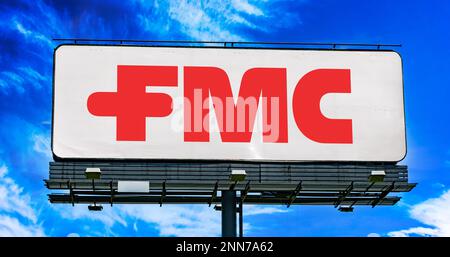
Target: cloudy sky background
26 49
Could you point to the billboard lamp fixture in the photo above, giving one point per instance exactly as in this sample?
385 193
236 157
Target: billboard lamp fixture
377 176
346 208
94 207
237 175
93 173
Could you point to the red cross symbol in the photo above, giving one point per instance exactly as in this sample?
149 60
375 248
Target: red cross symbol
131 104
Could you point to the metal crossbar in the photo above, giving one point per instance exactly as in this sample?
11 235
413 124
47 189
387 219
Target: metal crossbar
233 44
344 194
214 193
294 194
383 194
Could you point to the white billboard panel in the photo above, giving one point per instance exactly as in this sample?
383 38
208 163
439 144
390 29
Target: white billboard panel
132 102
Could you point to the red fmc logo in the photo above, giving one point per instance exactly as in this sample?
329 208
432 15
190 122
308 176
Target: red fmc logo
132 104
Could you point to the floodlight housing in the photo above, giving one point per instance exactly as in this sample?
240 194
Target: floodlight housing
237 175
94 207
377 176
345 208
93 173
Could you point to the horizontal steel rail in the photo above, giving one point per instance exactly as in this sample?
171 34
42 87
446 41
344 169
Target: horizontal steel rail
236 44
65 198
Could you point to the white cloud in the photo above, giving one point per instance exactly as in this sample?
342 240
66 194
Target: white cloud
244 6
17 217
239 19
108 216
373 235
250 210
218 20
12 227
20 77
35 30
204 20
42 144
12 199
8 78
194 220
195 20
13 77
420 231
172 220
33 35
40 26
434 213
32 73
169 220
135 227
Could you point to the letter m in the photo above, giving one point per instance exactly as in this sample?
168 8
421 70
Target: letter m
235 117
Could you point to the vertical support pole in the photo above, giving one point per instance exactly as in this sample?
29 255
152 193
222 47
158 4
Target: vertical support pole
228 213
241 217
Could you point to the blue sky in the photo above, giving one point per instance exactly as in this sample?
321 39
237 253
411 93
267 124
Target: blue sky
26 48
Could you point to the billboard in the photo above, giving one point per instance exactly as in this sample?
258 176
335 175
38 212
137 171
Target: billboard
197 103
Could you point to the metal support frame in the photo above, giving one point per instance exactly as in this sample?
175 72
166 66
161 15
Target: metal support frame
383 194
344 195
112 192
271 183
242 198
228 213
71 192
199 183
163 193
214 193
233 185
294 194
241 216
245 192
232 44
370 186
